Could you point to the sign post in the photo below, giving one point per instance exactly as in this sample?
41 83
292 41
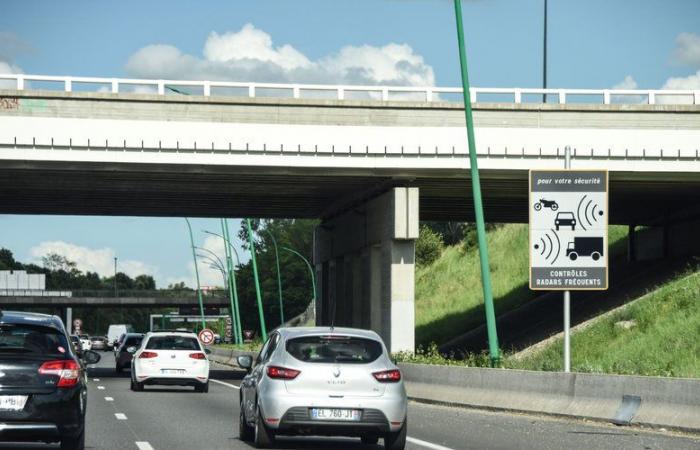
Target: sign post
568 234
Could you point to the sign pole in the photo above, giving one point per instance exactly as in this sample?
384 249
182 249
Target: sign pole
567 294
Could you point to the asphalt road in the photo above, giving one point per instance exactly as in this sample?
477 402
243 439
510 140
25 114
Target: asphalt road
178 418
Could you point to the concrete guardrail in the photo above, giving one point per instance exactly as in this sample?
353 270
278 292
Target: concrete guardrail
657 402
228 356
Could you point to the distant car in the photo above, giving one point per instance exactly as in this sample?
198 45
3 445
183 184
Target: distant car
115 331
323 381
77 344
85 341
44 388
565 219
98 342
130 343
170 358
217 338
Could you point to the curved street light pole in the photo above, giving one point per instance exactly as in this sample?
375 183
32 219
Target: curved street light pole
196 272
232 279
232 293
258 294
313 277
279 276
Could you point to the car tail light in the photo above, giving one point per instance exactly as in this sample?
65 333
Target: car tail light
388 376
282 373
67 371
146 355
197 356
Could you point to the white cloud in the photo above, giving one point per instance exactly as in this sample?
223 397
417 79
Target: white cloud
689 82
687 49
250 55
627 83
93 260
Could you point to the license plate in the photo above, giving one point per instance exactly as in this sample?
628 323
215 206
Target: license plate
350 415
172 371
12 402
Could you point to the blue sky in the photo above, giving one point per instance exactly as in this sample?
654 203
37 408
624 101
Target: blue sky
592 44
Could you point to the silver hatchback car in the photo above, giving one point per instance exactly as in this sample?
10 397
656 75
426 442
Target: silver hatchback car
323 381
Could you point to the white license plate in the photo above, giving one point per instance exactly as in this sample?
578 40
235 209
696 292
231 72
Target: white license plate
172 371
351 415
12 402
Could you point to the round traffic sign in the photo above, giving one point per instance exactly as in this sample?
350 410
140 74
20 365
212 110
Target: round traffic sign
206 336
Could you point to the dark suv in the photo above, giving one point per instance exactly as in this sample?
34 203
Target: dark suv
43 392
131 341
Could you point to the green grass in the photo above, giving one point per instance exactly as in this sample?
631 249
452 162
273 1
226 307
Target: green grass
449 298
665 341
248 347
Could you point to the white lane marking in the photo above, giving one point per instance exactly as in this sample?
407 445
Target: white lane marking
426 444
143 445
102 388
225 384
95 379
120 416
109 399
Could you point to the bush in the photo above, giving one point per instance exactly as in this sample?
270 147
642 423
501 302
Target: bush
429 246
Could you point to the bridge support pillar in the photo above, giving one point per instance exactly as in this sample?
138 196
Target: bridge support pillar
68 317
364 262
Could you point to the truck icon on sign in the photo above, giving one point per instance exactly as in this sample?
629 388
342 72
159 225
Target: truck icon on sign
585 246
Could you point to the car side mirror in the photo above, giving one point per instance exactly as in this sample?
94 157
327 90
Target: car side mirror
207 351
245 362
131 349
90 357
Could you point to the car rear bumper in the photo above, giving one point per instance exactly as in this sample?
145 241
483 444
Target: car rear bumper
29 431
298 420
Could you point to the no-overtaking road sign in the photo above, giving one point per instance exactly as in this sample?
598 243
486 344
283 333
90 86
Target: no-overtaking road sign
568 229
206 336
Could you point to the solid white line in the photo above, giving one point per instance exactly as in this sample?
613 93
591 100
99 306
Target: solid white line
225 384
101 388
120 416
109 399
426 444
143 445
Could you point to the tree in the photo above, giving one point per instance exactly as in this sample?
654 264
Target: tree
55 262
144 283
7 259
429 246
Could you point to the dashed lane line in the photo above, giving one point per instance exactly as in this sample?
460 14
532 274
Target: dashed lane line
225 384
120 416
426 444
95 379
109 399
102 388
143 445
409 439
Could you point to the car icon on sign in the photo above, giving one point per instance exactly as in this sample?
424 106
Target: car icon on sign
565 219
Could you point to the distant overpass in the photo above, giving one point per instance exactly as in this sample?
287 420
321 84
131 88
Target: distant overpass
91 298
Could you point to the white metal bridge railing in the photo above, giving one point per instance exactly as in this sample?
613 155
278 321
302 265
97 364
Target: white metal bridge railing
427 94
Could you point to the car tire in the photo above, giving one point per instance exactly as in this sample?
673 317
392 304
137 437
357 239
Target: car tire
136 386
203 388
245 431
263 437
74 442
118 368
397 440
370 440
595 256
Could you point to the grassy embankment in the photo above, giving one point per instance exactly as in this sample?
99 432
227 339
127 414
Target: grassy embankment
449 298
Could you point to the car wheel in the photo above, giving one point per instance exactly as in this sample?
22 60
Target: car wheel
245 431
397 440
595 256
573 256
204 388
118 368
370 440
263 436
74 442
136 386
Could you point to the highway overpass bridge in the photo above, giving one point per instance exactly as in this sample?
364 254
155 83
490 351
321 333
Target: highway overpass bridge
368 161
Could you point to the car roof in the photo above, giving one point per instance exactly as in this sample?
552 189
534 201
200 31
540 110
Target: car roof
171 333
294 332
29 318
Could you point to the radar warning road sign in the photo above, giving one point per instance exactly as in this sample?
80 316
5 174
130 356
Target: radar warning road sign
568 229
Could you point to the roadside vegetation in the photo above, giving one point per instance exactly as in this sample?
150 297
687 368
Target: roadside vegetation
449 297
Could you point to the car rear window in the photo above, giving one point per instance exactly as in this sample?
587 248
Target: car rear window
133 341
173 343
334 349
29 339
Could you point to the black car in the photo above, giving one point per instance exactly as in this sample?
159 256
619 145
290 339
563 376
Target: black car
43 392
131 341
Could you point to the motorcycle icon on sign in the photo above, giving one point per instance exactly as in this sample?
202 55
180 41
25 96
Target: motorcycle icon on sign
551 204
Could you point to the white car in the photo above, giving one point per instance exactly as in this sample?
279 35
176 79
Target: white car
170 358
85 341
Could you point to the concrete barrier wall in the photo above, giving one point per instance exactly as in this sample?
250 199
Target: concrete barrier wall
650 401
